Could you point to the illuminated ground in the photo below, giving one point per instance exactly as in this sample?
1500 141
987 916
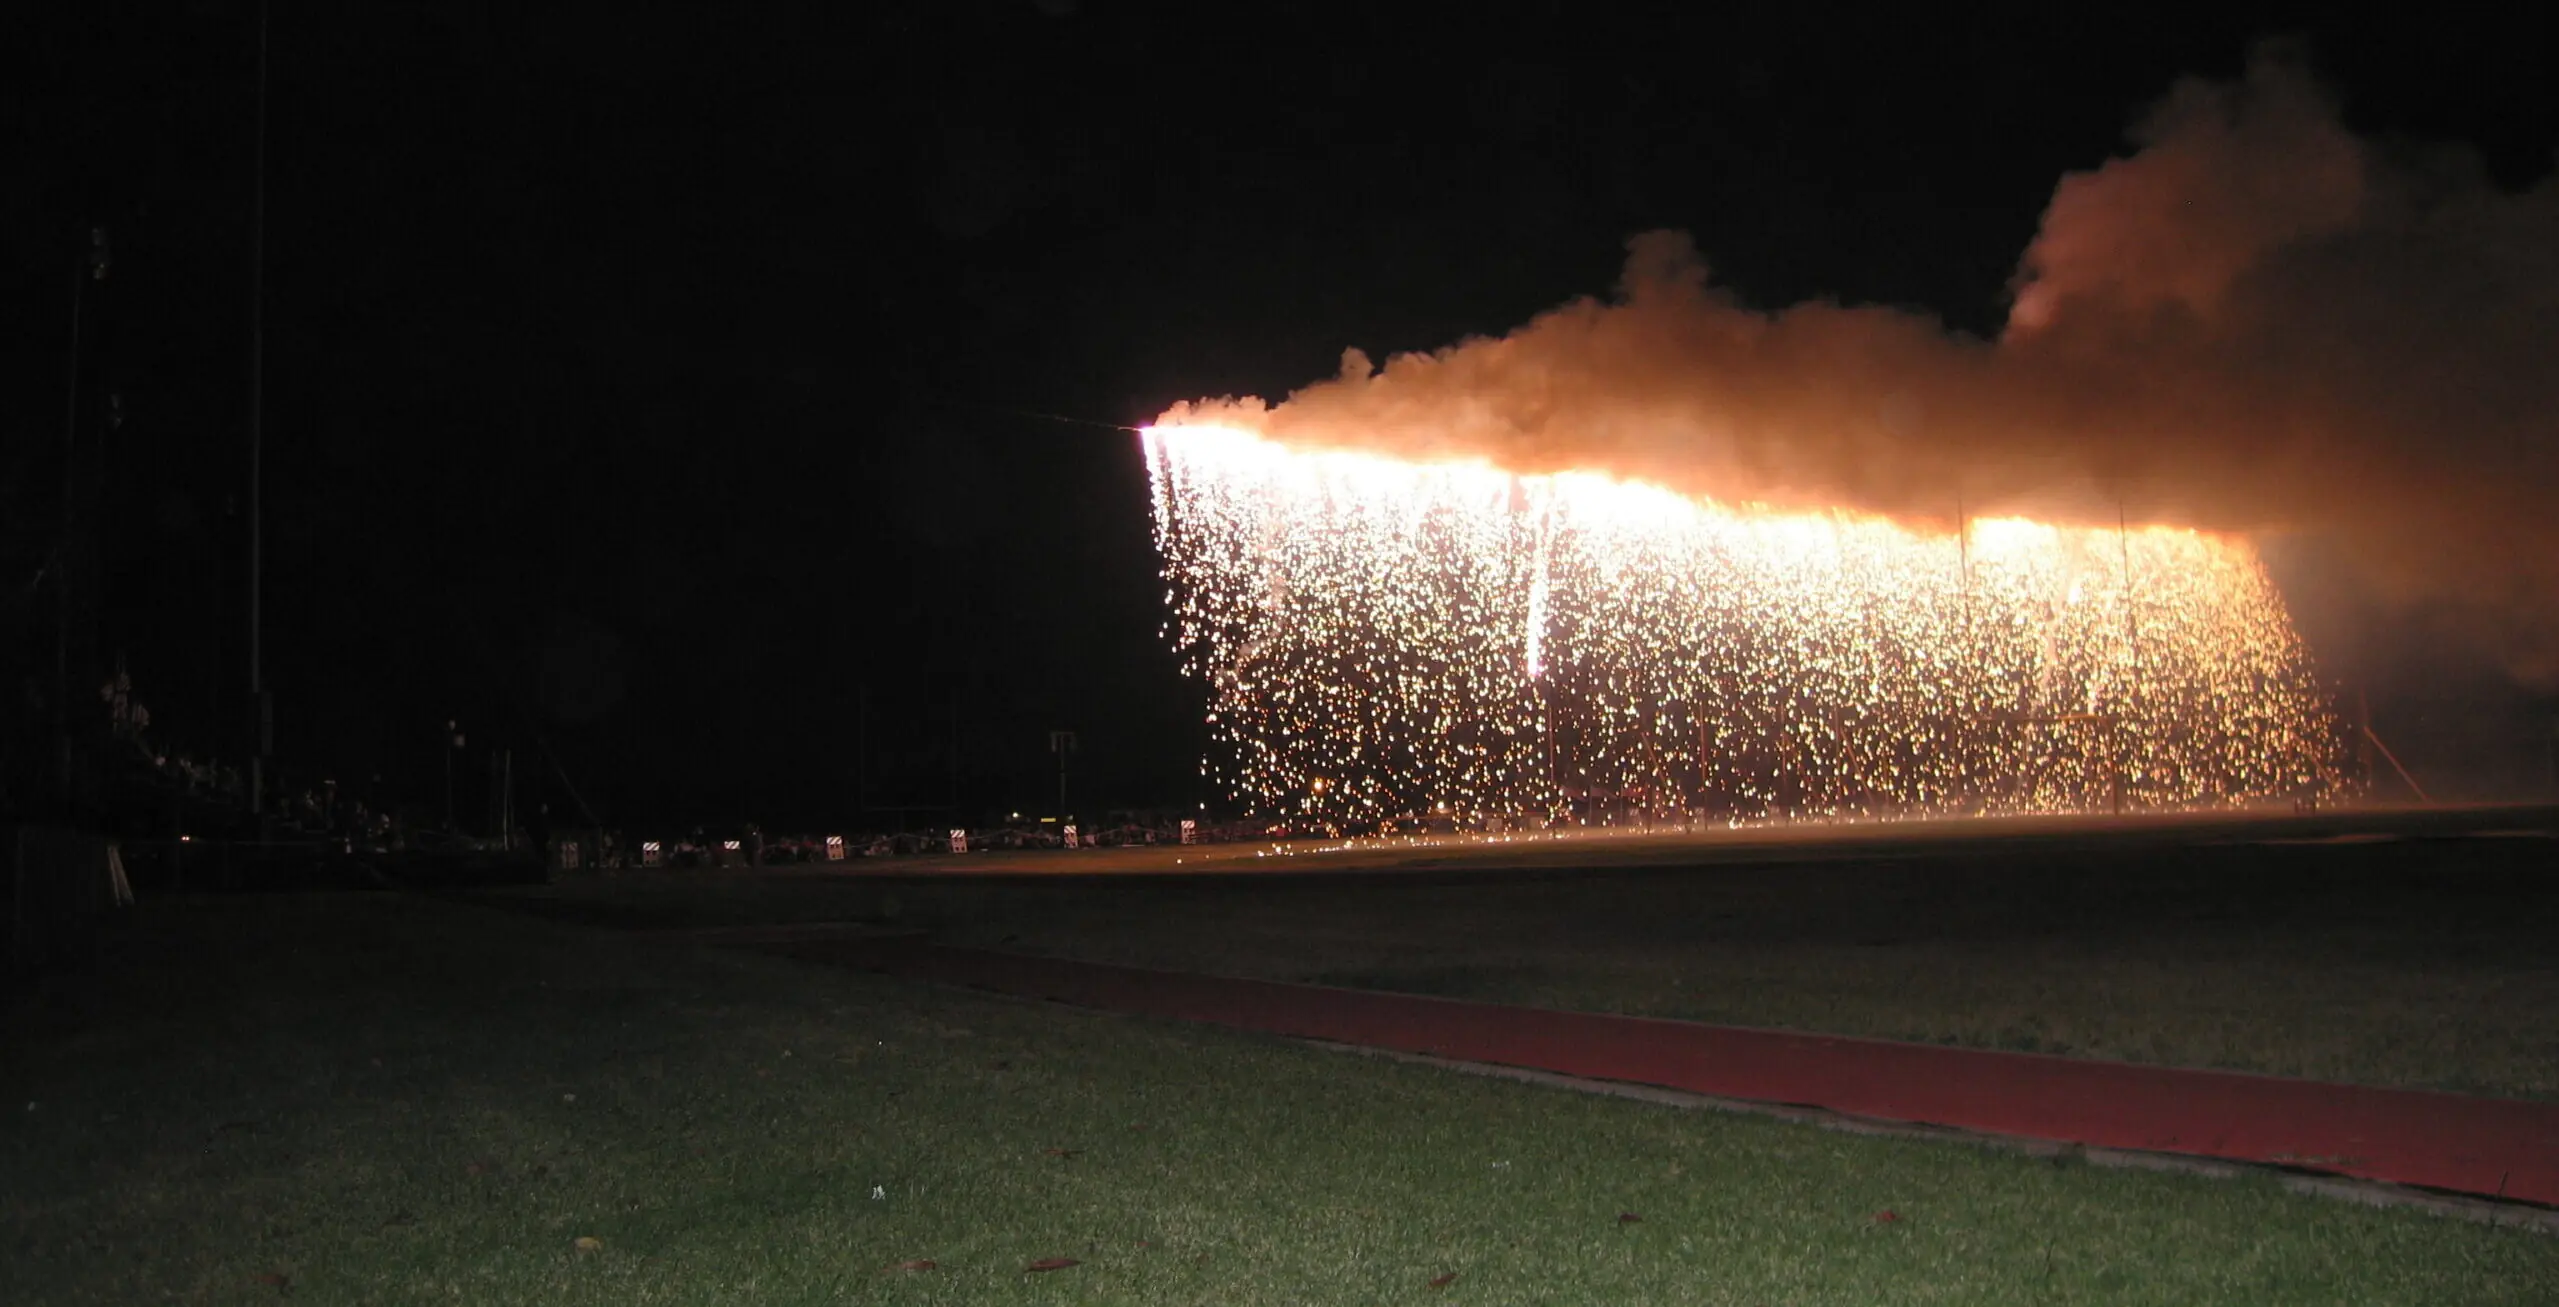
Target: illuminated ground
1713 845
2404 948
2486 1148
371 1098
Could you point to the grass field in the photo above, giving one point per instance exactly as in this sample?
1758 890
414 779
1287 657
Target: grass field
2414 964
382 1099
2424 963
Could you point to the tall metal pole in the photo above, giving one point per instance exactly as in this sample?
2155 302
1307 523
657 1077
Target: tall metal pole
257 444
1061 743
2364 738
80 276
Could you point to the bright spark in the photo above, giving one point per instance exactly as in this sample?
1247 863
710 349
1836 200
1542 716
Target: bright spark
1383 639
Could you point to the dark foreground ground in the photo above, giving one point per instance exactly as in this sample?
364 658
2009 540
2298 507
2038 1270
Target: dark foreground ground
2413 949
382 1098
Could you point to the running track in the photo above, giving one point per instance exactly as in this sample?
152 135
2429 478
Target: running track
2485 1146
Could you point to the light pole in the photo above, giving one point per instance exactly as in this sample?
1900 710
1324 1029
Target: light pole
1061 743
453 745
90 269
265 716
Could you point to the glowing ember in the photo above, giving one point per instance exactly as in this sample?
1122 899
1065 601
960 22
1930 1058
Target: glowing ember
1387 640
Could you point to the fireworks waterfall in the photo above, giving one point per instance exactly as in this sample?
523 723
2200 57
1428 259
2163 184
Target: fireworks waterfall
1384 640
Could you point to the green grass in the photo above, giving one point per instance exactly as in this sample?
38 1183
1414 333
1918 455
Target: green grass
2422 965
389 1100
2417 965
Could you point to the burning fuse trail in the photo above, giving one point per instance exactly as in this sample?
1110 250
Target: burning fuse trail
1385 639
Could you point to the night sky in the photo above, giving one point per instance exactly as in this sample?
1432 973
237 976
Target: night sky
661 390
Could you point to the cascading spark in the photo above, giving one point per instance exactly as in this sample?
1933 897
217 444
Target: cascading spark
1384 640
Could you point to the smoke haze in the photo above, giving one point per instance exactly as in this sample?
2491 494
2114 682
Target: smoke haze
2256 321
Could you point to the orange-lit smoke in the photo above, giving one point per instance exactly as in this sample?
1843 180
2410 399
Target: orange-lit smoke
2256 322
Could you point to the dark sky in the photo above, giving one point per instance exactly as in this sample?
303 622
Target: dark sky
637 376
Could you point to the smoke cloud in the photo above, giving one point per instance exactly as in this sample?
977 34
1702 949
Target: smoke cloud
2255 322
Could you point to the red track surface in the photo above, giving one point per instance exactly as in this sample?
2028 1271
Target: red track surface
2482 1146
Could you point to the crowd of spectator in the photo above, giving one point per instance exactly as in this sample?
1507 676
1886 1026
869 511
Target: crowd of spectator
212 796
214 793
750 846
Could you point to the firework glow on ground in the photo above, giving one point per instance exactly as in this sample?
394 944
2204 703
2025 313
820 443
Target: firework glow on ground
1390 642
